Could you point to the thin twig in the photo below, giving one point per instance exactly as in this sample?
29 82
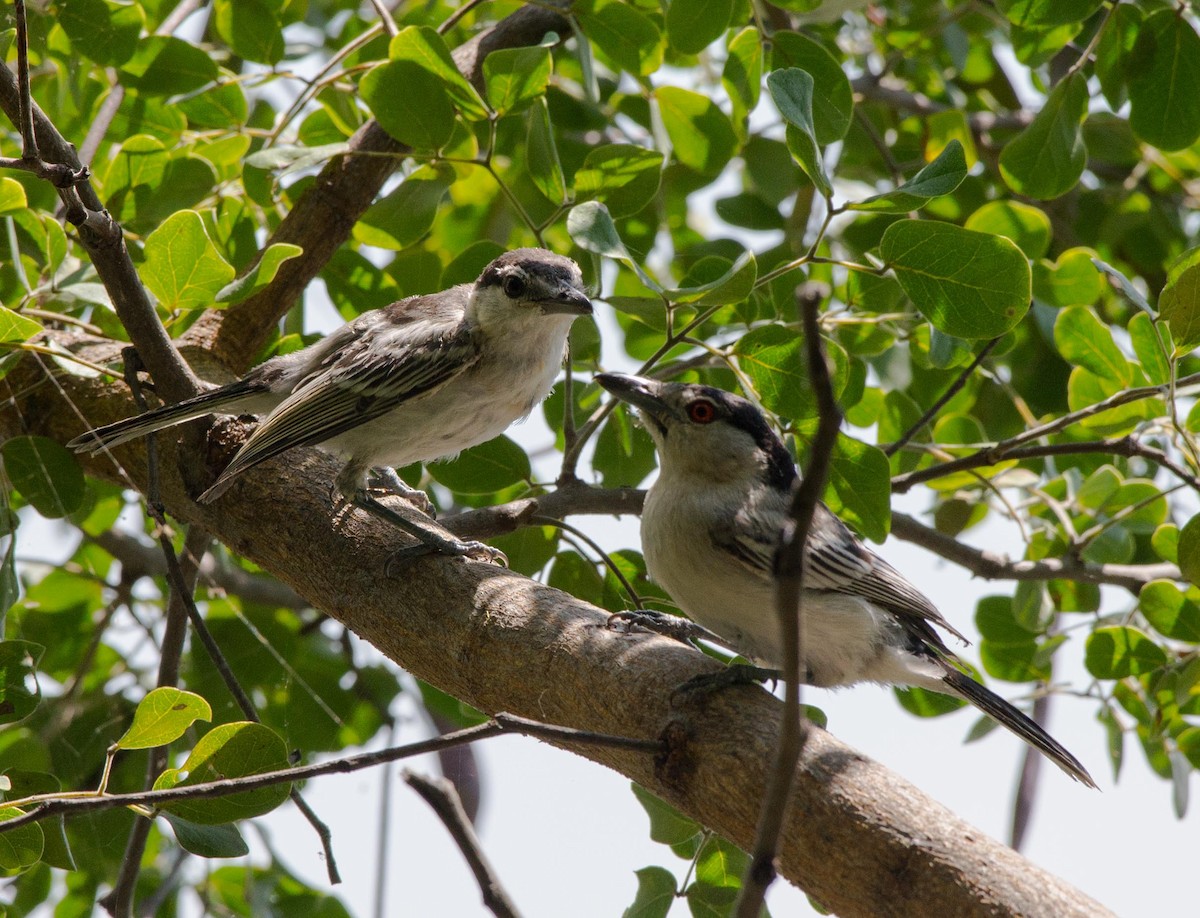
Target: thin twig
953 390
789 594
441 796
47 805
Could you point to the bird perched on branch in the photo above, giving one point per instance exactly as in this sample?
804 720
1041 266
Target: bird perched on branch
710 528
421 379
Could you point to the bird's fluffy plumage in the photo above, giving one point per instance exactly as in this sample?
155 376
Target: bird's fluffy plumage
710 528
421 379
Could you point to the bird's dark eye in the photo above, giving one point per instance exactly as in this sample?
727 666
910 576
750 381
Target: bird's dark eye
514 286
702 411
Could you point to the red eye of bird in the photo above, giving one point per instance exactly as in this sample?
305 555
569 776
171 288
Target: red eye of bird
702 412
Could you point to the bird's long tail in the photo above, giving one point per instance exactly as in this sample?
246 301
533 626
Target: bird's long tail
222 399
1004 713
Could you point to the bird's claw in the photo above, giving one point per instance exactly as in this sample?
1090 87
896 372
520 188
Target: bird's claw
471 550
733 674
651 621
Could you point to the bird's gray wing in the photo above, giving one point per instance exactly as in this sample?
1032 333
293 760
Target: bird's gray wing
834 561
362 381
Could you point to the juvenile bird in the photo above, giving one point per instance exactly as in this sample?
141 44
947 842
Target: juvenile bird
421 379
710 528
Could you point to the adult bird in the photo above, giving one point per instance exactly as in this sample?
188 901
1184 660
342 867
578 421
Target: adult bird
419 380
710 528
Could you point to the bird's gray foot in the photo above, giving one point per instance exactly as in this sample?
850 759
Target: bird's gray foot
385 482
733 674
433 538
650 621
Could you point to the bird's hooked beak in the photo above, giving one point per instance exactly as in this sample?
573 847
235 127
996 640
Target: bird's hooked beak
642 393
567 300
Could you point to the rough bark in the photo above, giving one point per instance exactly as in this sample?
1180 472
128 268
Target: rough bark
857 838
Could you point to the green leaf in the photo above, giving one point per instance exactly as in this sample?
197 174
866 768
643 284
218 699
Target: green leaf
1032 607
624 453
410 103
485 468
1116 652
924 703
261 274
286 158
733 286
15 327
253 29
792 91
162 717
624 177
164 65
860 479
701 135
742 76
406 215
1170 612
56 850
774 359
627 36
591 227
545 168
1164 70
101 30
940 177
655 893
1151 347
516 76
12 196
1024 224
208 841
20 848
693 25
45 473
1046 159
1085 341
423 46
1073 280
832 98
234 750
667 825
183 268
1179 302
1044 14
1189 550
19 689
968 284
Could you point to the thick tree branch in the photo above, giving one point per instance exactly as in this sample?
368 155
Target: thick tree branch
856 837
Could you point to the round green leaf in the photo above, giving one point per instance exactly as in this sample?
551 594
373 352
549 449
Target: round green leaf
774 359
19 689
792 91
968 284
183 268
406 214
46 474
208 841
234 750
1073 280
655 893
427 49
692 25
545 167
701 135
516 76
164 65
253 29
925 703
627 36
20 848
1189 550
485 468
1085 341
833 100
410 103
860 482
1046 159
1170 612
1024 224
1179 303
1164 71
16 327
1120 651
623 176
162 717
1042 14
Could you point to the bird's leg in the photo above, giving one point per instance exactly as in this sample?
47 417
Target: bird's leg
385 481
733 674
651 621
427 533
